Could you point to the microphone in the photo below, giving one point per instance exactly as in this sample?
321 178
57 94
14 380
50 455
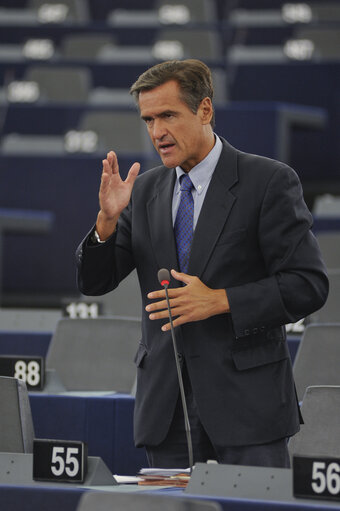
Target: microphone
164 280
163 277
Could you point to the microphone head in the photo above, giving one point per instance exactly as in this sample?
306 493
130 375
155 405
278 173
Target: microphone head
163 277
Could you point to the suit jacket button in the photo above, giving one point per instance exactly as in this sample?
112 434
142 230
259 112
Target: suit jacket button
246 332
255 330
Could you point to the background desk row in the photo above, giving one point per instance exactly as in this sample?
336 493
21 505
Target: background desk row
103 420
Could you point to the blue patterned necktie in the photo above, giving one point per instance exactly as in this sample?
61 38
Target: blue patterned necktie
184 223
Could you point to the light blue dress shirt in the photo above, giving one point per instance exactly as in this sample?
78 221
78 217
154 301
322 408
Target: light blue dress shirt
200 176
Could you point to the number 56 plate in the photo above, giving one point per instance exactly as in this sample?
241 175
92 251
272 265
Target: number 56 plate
316 477
59 460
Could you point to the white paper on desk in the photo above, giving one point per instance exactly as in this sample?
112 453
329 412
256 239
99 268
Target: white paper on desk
127 479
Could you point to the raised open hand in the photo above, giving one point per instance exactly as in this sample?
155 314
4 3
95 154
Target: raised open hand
114 194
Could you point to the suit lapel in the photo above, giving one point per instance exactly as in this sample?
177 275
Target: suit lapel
214 213
215 210
159 209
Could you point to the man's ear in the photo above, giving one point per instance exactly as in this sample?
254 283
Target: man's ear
206 110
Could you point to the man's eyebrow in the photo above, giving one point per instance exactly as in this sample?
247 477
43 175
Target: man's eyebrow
168 112
161 114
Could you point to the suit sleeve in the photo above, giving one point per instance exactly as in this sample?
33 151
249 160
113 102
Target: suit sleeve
100 267
296 283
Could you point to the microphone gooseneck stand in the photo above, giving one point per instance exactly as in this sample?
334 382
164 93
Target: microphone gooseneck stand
164 280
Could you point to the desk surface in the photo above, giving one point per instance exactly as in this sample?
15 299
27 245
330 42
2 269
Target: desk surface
53 498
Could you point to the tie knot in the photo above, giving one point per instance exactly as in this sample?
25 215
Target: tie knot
186 183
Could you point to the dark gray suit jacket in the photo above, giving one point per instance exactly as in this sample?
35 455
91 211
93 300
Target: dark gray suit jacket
252 238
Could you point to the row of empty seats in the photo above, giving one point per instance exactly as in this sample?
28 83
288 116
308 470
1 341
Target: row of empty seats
171 11
81 11
96 52
316 366
113 341
230 47
69 353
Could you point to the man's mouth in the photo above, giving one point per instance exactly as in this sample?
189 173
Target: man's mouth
165 147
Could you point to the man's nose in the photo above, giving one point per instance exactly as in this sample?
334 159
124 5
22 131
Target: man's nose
158 129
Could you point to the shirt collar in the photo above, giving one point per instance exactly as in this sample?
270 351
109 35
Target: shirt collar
200 175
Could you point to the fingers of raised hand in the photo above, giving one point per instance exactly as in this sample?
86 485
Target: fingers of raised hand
111 162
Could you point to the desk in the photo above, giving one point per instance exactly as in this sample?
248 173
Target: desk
231 504
304 83
240 487
238 122
33 498
22 221
267 127
103 420
293 345
326 223
24 343
69 188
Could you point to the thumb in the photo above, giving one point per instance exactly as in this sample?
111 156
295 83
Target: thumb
182 277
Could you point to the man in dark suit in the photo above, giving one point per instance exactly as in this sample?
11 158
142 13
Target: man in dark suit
252 266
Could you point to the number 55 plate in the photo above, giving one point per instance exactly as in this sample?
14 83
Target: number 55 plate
316 477
59 461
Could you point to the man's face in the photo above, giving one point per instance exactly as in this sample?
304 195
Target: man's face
180 137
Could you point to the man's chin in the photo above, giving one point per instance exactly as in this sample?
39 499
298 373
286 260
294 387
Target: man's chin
169 162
